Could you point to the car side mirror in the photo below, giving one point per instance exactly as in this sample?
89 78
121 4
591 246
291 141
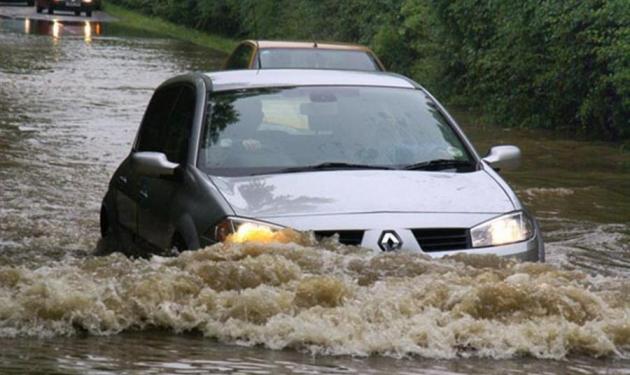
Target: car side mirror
504 157
153 164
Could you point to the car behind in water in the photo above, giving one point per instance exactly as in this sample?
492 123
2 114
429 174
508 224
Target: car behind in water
265 54
29 3
370 157
76 6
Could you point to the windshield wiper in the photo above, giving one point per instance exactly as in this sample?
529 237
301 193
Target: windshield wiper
333 166
438 164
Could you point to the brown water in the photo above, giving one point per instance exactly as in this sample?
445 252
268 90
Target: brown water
71 98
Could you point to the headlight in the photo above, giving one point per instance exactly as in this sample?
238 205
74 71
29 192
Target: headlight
506 229
240 230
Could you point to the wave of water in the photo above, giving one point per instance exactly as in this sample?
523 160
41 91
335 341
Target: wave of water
327 299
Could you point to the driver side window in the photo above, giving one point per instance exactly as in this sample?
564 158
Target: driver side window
168 122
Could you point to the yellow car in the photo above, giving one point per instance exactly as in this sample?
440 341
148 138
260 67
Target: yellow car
264 54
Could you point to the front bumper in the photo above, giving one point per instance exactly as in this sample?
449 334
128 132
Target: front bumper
400 223
65 5
531 250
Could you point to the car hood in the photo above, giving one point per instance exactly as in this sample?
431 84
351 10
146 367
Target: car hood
343 192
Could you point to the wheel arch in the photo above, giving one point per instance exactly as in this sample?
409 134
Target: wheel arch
186 230
107 215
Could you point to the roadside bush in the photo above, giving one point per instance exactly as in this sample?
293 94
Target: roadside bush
532 63
548 64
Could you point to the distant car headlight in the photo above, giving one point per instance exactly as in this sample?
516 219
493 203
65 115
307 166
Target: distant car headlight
503 230
240 230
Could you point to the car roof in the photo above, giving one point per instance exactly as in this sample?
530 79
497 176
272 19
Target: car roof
250 78
313 44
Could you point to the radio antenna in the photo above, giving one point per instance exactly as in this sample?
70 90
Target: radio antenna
256 35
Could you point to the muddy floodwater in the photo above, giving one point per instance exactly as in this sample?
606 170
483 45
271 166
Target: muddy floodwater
71 98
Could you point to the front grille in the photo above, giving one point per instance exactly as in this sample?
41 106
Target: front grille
442 239
346 237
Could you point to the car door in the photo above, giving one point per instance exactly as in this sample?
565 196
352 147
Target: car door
126 193
156 221
126 180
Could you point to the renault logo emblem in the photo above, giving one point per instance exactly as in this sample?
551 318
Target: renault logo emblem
389 241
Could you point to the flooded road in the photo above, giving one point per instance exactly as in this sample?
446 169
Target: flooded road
70 104
71 98
580 192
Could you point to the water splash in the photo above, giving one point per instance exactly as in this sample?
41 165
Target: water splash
327 299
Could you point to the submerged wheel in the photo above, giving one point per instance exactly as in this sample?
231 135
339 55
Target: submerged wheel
178 245
109 241
106 229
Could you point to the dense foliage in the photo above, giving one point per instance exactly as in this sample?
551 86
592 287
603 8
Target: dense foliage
535 63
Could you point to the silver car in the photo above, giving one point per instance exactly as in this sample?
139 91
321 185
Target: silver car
371 158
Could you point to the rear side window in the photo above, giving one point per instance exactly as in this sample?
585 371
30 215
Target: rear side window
240 58
168 122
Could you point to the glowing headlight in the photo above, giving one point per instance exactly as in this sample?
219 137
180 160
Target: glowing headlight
506 229
240 230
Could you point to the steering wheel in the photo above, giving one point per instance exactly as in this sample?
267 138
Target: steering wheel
262 155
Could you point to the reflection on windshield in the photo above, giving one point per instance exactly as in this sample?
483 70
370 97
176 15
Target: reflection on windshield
268 130
226 113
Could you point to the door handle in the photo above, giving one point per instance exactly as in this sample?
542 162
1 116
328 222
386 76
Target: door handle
143 194
122 180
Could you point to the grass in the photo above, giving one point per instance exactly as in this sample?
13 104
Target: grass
157 25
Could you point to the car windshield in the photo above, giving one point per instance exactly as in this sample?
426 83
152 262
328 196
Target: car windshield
276 130
316 58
